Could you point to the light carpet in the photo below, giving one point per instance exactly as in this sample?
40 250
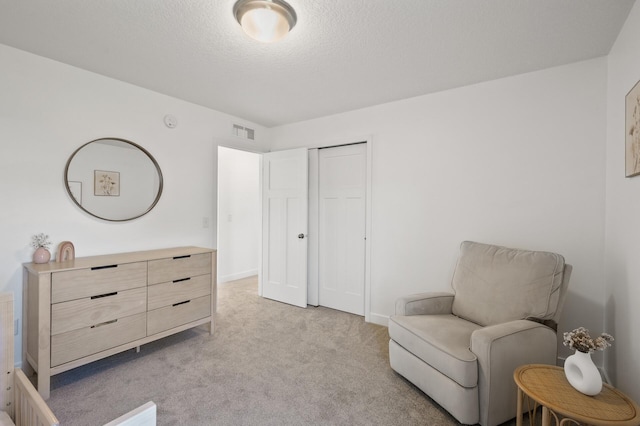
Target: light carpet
267 363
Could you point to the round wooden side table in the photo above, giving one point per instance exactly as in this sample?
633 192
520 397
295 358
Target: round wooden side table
547 386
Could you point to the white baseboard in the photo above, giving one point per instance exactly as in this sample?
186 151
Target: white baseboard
379 319
237 276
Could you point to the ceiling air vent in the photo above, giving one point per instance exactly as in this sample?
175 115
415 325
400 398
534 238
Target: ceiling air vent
243 132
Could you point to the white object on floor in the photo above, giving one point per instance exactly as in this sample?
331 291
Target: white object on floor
144 415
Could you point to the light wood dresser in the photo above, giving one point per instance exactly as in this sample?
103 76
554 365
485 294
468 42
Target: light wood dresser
78 311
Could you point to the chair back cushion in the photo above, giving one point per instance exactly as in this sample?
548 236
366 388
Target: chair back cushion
496 284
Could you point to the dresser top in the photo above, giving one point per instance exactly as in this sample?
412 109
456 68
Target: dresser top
117 258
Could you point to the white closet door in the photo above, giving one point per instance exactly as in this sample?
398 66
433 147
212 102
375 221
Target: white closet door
284 226
342 226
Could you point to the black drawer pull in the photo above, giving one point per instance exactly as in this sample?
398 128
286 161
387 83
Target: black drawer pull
104 323
181 279
95 268
181 257
181 303
104 295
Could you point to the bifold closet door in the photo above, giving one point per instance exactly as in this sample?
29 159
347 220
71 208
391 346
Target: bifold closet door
342 226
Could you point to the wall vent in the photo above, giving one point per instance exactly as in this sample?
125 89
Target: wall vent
243 132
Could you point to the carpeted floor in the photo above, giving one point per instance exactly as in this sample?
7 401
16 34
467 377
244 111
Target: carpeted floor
267 363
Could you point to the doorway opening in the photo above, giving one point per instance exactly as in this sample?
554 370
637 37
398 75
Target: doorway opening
239 214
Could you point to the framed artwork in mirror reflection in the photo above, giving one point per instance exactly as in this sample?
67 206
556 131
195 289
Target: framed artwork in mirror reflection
106 183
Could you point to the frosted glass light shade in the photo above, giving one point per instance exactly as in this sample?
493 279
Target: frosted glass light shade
265 20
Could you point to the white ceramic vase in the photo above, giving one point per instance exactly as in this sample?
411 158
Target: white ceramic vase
582 373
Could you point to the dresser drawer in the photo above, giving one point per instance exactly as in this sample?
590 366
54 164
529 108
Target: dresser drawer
86 341
165 294
80 313
180 313
175 268
81 283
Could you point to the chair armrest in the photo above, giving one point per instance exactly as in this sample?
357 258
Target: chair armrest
434 303
500 349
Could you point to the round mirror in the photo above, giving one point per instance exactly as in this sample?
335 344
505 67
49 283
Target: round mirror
113 179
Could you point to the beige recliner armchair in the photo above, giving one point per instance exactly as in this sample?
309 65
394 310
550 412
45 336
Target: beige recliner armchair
461 348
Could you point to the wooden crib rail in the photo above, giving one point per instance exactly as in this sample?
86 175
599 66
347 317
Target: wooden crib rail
29 407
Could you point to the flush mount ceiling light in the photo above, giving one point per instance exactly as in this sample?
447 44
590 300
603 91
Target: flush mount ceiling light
265 20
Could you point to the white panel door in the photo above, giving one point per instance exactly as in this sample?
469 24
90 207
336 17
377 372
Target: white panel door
342 226
284 226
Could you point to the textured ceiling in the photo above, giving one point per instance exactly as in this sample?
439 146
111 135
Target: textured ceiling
342 54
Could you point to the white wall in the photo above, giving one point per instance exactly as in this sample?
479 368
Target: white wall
516 162
47 110
239 214
622 297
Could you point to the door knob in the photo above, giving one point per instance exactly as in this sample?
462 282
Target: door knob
301 236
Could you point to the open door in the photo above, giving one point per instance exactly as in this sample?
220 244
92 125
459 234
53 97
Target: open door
284 226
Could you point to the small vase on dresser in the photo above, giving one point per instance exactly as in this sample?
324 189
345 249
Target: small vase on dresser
41 255
41 243
582 373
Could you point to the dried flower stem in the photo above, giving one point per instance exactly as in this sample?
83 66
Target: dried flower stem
580 340
40 240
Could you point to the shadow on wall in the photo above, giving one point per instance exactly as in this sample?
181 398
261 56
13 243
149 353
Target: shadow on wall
610 364
617 278
579 311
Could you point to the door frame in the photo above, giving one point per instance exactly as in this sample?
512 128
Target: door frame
314 243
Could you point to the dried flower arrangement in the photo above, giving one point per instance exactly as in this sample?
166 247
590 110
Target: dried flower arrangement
40 240
580 340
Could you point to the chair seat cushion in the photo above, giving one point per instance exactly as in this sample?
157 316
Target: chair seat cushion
442 341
